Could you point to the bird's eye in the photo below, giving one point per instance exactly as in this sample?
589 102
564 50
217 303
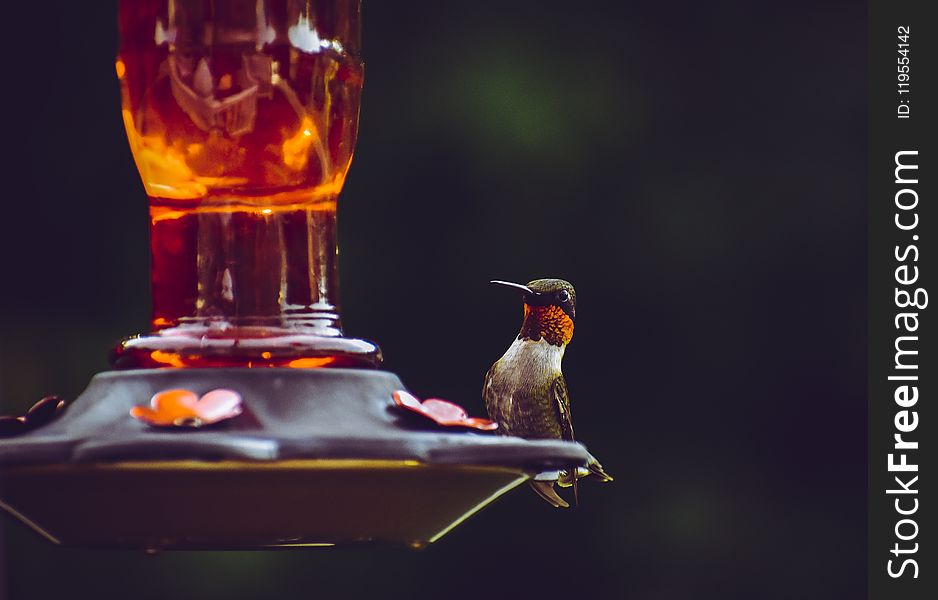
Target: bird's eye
563 296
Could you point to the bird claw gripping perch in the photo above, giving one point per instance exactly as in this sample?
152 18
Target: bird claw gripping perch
543 483
592 469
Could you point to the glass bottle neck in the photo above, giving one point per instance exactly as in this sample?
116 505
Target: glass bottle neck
245 267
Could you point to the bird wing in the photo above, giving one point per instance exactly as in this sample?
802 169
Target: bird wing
561 400
491 403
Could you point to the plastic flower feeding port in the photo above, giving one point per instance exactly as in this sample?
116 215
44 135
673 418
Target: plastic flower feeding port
184 408
245 418
442 412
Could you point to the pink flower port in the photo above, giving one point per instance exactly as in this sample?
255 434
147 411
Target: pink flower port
184 408
442 412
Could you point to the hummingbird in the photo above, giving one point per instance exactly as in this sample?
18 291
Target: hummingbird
525 392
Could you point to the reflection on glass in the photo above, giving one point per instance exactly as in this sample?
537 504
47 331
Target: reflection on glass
242 118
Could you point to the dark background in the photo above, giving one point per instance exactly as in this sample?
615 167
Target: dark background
696 169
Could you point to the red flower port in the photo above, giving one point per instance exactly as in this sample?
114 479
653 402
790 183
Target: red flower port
442 412
184 408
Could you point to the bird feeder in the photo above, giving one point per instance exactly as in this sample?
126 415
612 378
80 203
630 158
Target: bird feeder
245 418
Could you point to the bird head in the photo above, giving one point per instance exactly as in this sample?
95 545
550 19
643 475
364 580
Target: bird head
549 310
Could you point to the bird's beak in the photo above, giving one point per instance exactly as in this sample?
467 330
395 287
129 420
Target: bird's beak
521 288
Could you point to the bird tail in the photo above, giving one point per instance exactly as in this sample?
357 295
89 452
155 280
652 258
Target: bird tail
545 489
596 469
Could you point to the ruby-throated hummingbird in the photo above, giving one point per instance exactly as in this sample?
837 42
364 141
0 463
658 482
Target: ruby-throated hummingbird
525 392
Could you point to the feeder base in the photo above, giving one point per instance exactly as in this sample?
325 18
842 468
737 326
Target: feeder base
190 505
317 456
